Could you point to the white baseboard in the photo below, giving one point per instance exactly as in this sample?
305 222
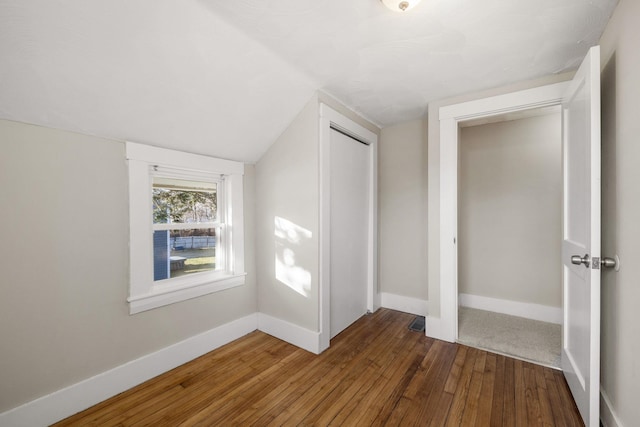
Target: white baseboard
433 329
77 397
293 334
608 416
543 313
411 305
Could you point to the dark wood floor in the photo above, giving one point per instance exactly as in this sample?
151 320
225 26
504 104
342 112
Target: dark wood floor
376 372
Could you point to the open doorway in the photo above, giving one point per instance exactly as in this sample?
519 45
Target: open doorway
581 257
509 232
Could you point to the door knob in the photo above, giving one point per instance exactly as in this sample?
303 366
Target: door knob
611 263
577 260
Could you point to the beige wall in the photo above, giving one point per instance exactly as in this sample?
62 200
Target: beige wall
64 257
287 188
402 196
509 210
433 214
620 375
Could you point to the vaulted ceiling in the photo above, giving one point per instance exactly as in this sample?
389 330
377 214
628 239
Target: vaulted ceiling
225 78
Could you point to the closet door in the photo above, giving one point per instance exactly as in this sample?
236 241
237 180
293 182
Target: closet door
350 160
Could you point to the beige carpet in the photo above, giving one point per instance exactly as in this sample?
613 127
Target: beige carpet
527 339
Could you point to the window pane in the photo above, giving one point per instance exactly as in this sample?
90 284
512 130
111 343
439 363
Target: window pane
180 201
180 252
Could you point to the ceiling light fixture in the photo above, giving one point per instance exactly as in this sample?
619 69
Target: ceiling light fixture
400 5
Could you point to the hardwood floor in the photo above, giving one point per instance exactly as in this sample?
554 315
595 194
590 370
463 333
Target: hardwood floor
376 372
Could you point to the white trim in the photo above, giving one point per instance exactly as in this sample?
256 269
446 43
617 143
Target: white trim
144 292
543 313
328 117
80 396
543 96
411 305
450 116
160 297
608 416
185 225
433 328
289 332
181 159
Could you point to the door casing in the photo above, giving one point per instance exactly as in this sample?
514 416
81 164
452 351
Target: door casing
446 326
330 118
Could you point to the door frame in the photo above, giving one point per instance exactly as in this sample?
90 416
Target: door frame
446 328
331 119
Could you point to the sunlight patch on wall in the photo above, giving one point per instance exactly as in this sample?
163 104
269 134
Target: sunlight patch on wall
290 237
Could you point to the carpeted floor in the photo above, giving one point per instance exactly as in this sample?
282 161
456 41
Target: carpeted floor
527 339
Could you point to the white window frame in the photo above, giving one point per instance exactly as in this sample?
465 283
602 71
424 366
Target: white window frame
144 292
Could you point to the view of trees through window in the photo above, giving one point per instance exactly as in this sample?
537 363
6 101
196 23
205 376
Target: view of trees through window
180 251
185 206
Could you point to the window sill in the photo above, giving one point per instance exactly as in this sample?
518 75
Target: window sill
162 296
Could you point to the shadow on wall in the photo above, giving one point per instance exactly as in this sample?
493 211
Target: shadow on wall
289 238
610 220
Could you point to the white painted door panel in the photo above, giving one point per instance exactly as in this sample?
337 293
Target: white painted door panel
350 161
581 236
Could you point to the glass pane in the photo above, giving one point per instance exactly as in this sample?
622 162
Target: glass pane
180 252
180 201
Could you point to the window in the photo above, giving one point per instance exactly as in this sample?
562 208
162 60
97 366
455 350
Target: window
186 226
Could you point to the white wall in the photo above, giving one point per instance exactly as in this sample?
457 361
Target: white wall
287 187
402 192
620 369
287 197
64 266
509 210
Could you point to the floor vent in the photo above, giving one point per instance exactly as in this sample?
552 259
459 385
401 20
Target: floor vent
418 324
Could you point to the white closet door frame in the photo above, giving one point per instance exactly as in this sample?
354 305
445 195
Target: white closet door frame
446 326
330 118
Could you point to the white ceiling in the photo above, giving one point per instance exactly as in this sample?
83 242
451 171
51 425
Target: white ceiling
225 78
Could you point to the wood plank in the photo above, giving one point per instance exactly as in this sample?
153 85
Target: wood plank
340 373
497 403
543 397
375 373
352 387
370 405
509 409
520 393
203 394
458 405
442 410
339 356
485 405
534 414
119 404
395 394
403 412
471 406
428 401
560 418
571 412
456 370
234 403
362 396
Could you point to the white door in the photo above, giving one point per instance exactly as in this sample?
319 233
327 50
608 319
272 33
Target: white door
349 230
581 237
